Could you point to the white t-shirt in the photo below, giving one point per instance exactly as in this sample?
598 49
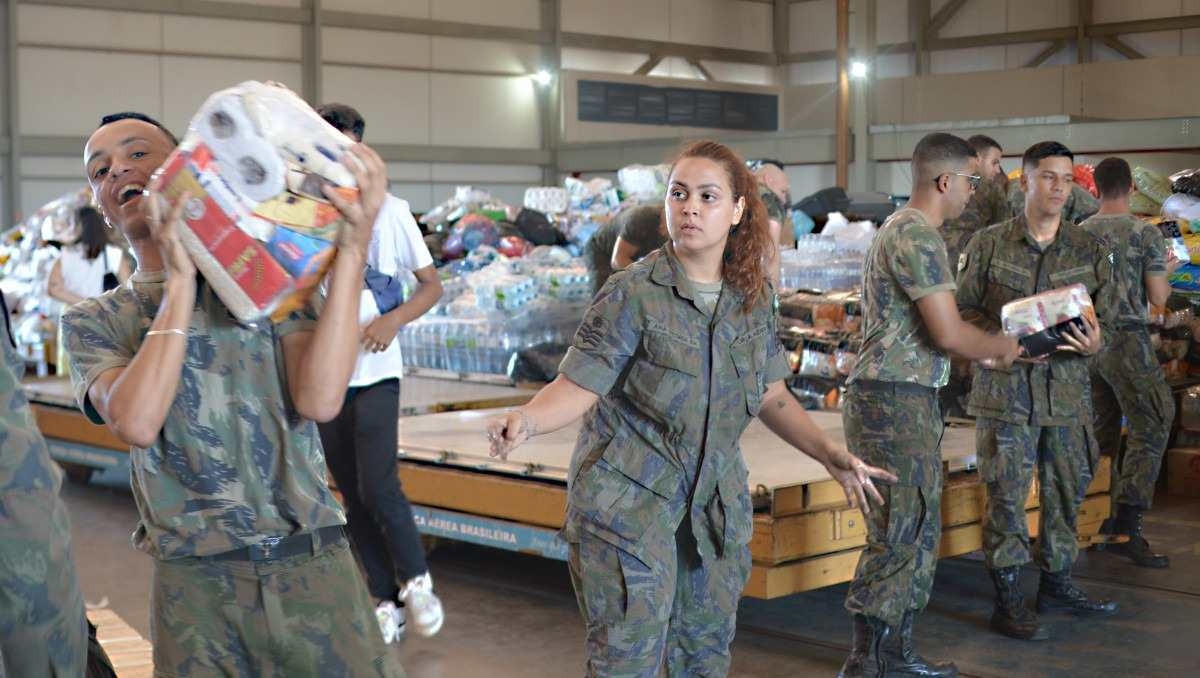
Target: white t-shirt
85 277
396 248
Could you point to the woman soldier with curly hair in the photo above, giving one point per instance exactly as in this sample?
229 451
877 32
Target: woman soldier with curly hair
674 357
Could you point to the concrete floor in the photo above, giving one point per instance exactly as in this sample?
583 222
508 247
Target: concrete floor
514 615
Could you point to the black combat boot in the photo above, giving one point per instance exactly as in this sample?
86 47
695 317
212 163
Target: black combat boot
1010 617
901 660
1057 593
1128 522
866 658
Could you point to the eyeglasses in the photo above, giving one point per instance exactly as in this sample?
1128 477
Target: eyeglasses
973 179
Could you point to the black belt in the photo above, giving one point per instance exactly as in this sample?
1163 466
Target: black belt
278 548
875 386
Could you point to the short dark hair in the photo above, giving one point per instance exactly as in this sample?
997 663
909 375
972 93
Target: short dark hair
982 142
343 118
1113 178
134 115
936 150
1045 149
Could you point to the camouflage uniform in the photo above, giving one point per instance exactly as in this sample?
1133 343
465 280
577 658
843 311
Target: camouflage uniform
988 205
658 512
778 211
1033 416
233 467
1126 376
892 419
1080 203
43 631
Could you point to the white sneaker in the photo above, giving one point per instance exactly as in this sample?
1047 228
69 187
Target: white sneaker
391 621
421 606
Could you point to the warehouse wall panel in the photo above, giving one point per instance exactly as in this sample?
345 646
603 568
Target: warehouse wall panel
600 61
643 19
514 13
419 195
812 72
376 48
201 35
723 23
65 167
813 25
396 104
75 27
526 175
407 171
38 192
270 3
485 55
674 67
511 194
487 111
1106 11
810 107
1142 88
967 60
419 9
891 23
58 94
188 81
750 74
1028 15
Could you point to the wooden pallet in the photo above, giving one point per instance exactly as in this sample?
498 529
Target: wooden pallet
131 655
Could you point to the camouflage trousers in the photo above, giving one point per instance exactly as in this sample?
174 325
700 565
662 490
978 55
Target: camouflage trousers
306 615
1009 454
1126 379
43 630
662 607
897 427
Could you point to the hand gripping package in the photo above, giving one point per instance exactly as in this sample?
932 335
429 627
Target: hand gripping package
258 225
1040 322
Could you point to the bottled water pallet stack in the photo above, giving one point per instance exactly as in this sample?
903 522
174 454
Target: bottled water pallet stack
486 317
820 263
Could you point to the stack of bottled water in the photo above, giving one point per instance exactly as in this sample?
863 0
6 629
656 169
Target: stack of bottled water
820 263
487 316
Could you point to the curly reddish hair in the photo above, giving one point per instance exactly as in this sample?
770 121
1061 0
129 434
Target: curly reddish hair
750 241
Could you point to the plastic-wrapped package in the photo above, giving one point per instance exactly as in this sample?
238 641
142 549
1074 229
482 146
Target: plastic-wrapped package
258 226
1140 203
1182 206
1186 181
1186 278
546 199
1174 236
644 183
1085 177
1041 321
1154 185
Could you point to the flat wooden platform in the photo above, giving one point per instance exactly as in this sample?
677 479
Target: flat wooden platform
418 395
131 655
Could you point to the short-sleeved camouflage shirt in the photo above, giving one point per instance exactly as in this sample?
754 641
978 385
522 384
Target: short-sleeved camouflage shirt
1139 250
987 206
234 463
907 261
677 389
24 461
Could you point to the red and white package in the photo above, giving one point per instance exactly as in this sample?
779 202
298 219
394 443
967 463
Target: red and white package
259 229
1040 320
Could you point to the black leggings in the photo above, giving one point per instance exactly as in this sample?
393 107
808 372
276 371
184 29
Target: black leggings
360 449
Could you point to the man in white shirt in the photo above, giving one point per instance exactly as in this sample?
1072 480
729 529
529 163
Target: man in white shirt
360 443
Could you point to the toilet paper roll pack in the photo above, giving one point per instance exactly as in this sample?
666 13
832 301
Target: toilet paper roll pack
258 227
1040 322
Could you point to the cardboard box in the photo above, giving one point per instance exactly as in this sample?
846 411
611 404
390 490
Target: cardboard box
1183 471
